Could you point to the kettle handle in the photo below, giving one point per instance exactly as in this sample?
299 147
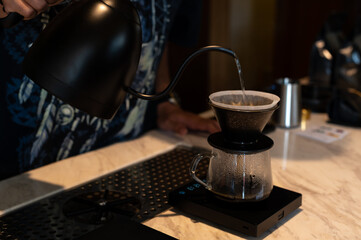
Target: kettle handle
175 80
10 20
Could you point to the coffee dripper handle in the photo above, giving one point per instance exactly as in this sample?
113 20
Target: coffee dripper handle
194 165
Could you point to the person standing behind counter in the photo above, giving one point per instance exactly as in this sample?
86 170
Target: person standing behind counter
37 128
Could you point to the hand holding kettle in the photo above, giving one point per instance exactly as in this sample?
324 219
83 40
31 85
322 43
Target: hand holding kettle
27 8
13 11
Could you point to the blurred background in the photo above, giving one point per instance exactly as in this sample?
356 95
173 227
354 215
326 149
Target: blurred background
272 38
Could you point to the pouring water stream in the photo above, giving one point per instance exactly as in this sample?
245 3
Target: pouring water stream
241 80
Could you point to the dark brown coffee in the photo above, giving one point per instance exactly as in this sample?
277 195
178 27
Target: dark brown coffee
248 188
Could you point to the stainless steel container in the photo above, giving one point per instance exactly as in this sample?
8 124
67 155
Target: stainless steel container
289 113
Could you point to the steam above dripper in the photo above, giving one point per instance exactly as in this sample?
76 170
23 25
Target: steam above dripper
241 121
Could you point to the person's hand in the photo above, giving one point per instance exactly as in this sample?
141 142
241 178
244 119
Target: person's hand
172 118
27 8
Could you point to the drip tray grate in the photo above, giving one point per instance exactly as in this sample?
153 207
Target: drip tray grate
139 191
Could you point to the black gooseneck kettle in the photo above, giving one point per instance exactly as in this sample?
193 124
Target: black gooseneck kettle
89 53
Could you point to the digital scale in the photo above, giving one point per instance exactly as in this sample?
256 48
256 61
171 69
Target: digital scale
251 218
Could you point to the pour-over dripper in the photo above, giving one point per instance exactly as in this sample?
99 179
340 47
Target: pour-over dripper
242 115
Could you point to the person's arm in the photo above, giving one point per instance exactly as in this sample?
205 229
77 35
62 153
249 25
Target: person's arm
27 8
170 116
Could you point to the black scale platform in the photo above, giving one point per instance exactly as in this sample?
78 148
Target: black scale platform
117 203
251 218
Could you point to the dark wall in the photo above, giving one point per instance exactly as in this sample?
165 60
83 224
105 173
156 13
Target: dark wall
192 88
298 22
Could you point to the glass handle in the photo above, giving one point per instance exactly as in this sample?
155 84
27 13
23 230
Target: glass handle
194 165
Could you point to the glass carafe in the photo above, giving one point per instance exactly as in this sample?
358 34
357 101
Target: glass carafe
237 176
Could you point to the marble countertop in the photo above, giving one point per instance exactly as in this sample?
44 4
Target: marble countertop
328 175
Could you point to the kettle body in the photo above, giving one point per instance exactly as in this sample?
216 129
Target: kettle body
88 54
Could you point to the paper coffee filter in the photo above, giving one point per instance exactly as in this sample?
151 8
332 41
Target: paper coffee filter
235 100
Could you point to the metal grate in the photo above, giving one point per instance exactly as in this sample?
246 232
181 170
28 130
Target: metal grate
139 191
